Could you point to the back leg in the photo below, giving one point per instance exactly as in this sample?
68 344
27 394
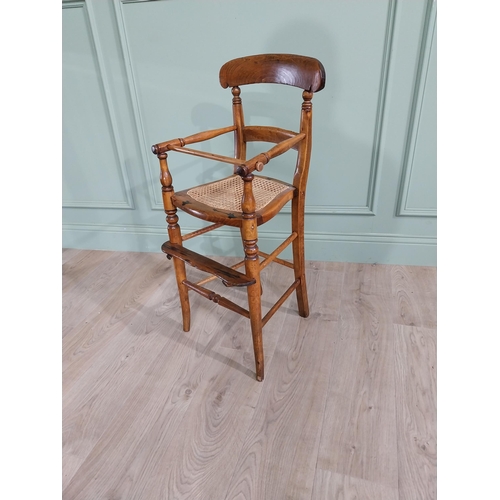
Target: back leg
299 263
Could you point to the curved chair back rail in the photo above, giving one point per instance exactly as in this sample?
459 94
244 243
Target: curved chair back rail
304 72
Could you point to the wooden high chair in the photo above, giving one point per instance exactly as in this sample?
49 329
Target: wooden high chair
246 200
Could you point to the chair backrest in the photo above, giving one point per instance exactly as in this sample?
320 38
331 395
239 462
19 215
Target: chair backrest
304 72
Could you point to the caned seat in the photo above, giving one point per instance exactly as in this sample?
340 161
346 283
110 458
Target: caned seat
221 200
245 199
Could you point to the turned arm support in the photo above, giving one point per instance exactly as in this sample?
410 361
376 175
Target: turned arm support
163 147
258 162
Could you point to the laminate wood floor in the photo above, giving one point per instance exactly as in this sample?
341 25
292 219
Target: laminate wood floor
347 410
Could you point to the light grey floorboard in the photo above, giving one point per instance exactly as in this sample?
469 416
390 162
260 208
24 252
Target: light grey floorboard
347 409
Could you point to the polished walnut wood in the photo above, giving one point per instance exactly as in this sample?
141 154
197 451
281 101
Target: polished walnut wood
240 143
163 147
212 278
258 162
273 257
309 75
209 156
174 233
228 276
280 301
287 69
199 232
257 133
218 299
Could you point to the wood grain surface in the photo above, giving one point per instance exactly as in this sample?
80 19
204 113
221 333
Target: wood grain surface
362 385
416 410
347 410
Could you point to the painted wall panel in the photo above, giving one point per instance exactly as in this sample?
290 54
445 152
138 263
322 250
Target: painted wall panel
365 121
174 71
93 174
421 198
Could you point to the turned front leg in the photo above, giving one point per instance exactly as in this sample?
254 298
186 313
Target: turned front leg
174 233
252 270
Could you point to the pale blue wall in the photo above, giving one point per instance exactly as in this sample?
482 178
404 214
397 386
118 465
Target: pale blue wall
137 73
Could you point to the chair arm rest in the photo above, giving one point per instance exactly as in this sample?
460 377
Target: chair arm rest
163 147
258 162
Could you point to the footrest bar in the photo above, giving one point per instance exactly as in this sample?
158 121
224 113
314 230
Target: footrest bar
230 277
211 278
218 299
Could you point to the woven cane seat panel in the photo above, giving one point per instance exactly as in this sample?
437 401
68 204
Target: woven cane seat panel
226 194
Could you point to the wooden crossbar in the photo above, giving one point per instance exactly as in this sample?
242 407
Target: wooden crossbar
258 162
203 230
268 258
218 299
282 299
277 260
268 134
210 156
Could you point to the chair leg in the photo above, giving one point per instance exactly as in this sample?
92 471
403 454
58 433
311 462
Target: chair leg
180 275
256 325
174 232
252 270
299 264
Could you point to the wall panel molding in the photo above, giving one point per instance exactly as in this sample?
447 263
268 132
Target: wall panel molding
311 209
379 122
130 69
71 4
428 32
139 229
152 184
383 248
138 1
128 202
